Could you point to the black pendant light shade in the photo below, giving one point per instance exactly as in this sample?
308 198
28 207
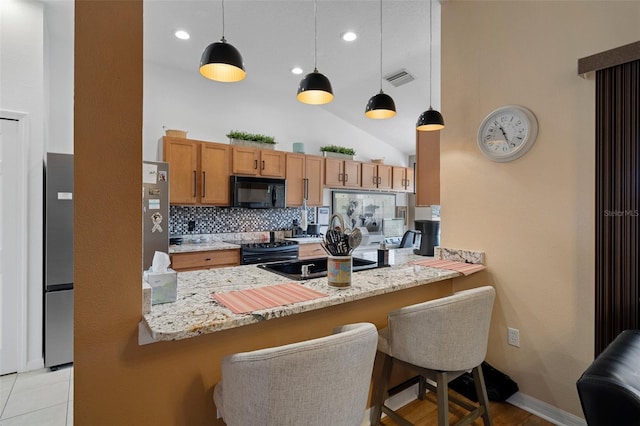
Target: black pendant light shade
380 106
315 89
222 62
430 120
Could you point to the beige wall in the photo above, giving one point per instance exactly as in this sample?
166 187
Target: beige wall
534 217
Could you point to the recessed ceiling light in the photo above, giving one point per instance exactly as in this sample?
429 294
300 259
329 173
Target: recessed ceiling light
182 34
349 36
296 70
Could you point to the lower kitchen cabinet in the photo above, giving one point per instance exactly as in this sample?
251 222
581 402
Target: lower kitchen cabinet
310 251
192 261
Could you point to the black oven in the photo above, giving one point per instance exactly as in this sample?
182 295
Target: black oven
258 192
252 253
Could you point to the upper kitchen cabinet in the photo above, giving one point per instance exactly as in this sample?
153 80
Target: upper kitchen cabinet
194 169
376 176
427 168
257 162
345 173
402 179
304 179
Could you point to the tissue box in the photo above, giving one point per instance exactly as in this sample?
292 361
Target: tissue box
164 286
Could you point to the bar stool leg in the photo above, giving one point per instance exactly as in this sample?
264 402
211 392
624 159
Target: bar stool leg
379 392
481 392
443 398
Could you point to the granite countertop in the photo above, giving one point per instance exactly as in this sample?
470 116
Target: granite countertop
305 240
195 312
205 246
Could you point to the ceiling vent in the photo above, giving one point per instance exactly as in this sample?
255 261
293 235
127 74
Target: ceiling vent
399 78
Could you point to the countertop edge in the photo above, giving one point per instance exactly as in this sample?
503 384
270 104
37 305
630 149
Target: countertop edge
202 315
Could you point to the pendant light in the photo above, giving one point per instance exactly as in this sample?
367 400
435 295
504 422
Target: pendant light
380 106
431 119
315 88
221 61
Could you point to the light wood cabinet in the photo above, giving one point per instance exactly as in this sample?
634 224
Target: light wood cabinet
304 178
214 174
258 162
196 169
346 173
376 176
402 179
192 261
310 251
427 168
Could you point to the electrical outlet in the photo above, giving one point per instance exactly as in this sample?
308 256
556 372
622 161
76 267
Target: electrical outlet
513 337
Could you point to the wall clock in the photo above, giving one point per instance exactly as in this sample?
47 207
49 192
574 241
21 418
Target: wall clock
507 133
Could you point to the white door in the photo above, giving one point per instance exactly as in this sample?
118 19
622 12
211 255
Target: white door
12 246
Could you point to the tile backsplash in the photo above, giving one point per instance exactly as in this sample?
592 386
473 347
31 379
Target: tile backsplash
215 220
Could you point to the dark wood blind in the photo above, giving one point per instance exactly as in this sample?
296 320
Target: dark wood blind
617 208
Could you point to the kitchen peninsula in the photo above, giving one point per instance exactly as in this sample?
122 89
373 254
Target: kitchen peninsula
196 312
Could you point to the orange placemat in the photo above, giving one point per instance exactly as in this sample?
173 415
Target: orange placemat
254 299
451 265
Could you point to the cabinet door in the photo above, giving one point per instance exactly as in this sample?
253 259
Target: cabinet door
399 176
272 163
245 161
352 176
215 160
427 168
333 171
192 261
182 156
314 168
369 175
384 176
295 179
409 180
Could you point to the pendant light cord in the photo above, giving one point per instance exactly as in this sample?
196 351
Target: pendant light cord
430 49
315 37
223 40
380 46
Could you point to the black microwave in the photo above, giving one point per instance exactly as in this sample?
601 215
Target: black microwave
257 192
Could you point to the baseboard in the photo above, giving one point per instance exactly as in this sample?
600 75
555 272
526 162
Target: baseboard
520 400
544 410
35 364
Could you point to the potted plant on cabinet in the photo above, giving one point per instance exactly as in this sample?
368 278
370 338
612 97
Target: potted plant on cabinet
251 139
338 151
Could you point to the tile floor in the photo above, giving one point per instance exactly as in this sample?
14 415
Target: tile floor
37 398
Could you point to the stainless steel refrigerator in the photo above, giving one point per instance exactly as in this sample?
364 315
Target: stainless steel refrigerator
58 260
155 210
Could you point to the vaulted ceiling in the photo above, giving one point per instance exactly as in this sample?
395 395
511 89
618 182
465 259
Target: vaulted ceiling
274 36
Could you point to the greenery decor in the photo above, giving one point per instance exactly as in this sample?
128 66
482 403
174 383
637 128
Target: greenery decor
251 137
338 149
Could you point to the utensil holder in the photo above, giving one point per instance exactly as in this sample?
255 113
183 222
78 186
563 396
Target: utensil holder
339 270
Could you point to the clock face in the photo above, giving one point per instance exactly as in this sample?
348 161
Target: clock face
507 133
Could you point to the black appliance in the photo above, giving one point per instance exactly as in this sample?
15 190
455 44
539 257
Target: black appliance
257 192
264 252
430 230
